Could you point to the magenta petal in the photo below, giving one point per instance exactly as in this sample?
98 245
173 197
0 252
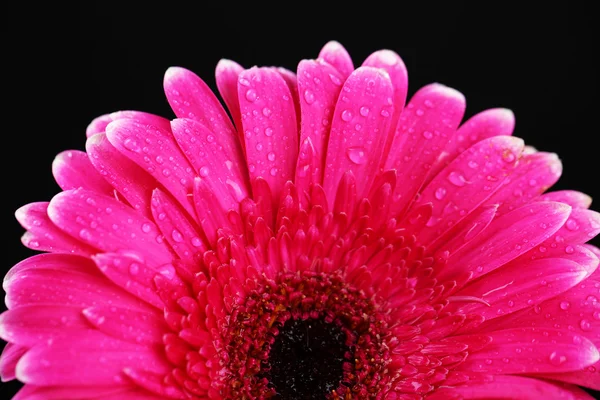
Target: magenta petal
72 169
270 131
319 85
532 350
181 233
508 237
571 197
583 225
467 182
99 124
8 360
518 285
43 235
129 325
486 124
31 392
360 122
511 387
534 174
226 74
43 279
424 129
31 324
336 55
131 181
155 149
107 224
89 359
205 152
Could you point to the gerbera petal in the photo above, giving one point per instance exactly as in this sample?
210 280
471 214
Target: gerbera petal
208 210
467 182
583 225
511 387
336 55
534 174
72 169
41 280
182 234
486 124
8 360
227 74
532 350
270 131
43 235
107 224
291 80
517 286
424 129
571 197
391 63
129 325
360 122
508 237
99 124
89 359
155 149
191 98
31 392
204 150
31 324
131 181
319 85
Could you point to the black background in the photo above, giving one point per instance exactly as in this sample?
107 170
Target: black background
64 66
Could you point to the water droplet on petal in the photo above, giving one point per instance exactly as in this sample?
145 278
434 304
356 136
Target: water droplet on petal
572 225
273 171
134 269
196 242
364 111
146 228
210 138
457 179
427 134
251 95
557 358
177 236
269 132
565 305
472 164
569 249
356 155
585 325
271 156
85 234
131 145
346 115
266 111
336 81
508 156
440 193
309 96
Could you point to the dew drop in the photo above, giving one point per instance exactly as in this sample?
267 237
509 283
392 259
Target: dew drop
210 138
146 228
166 172
556 358
364 111
356 155
271 156
479 269
336 81
196 242
569 249
565 305
428 103
273 171
427 134
385 113
251 95
266 111
419 112
309 96
134 269
457 179
346 115
159 160
572 225
269 132
177 236
596 315
440 193
85 234
508 156
131 145
585 325
472 164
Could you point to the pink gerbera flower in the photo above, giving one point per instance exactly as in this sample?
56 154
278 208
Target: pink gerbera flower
331 242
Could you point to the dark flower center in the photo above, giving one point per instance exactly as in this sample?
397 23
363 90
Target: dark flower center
305 362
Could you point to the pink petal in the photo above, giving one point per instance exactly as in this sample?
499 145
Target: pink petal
424 129
508 237
534 174
31 324
532 350
571 197
181 233
270 131
45 278
576 310
90 359
208 211
131 181
587 377
107 224
227 73
518 285
191 98
72 169
204 150
132 275
336 55
486 124
155 150
467 182
43 235
511 387
8 361
391 63
581 254
291 80
360 121
99 124
583 225
153 383
30 392
319 85
129 325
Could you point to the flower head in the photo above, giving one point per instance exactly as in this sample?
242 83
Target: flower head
326 241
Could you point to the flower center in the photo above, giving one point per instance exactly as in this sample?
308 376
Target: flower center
306 359
305 335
